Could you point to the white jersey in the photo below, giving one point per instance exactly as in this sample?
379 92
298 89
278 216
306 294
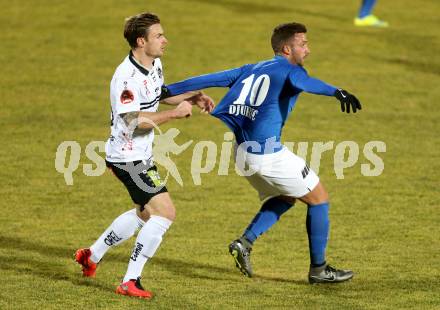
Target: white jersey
133 88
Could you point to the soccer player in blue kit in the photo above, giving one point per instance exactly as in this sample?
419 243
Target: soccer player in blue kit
260 99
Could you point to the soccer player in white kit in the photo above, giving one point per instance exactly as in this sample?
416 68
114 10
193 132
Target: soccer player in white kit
135 91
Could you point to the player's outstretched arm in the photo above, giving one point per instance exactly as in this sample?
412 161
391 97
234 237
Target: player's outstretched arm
348 101
217 79
300 79
175 100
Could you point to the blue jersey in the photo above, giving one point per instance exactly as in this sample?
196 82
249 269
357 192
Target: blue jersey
260 99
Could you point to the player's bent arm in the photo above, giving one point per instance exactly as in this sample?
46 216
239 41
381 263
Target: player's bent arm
204 102
148 120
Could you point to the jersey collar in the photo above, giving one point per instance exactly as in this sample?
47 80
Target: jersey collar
279 57
138 65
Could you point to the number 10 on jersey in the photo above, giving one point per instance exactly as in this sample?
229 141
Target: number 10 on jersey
258 90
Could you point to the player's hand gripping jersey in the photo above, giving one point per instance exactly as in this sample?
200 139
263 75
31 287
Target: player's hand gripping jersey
260 99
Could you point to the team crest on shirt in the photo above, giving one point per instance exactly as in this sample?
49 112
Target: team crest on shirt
127 96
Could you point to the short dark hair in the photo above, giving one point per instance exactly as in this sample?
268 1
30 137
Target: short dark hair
137 27
282 33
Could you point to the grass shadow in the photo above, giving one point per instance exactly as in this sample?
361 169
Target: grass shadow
48 270
55 271
415 65
282 280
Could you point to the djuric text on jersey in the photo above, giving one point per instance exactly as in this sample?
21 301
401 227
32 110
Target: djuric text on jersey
239 109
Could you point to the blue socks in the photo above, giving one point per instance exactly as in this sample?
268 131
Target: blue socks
366 8
317 224
269 214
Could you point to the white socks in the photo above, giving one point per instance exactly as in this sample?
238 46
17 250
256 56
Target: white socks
122 228
147 242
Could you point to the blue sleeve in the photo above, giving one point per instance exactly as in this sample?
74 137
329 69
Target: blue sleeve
301 80
217 79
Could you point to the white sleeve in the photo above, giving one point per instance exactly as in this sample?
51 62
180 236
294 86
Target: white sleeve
127 95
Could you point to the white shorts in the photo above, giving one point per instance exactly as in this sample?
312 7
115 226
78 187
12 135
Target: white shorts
280 173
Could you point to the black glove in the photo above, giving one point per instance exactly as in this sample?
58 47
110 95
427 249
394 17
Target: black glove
347 100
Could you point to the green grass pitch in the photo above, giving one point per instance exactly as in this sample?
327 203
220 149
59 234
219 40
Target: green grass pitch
56 62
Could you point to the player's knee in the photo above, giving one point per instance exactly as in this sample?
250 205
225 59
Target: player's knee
320 194
169 212
164 208
324 196
317 196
